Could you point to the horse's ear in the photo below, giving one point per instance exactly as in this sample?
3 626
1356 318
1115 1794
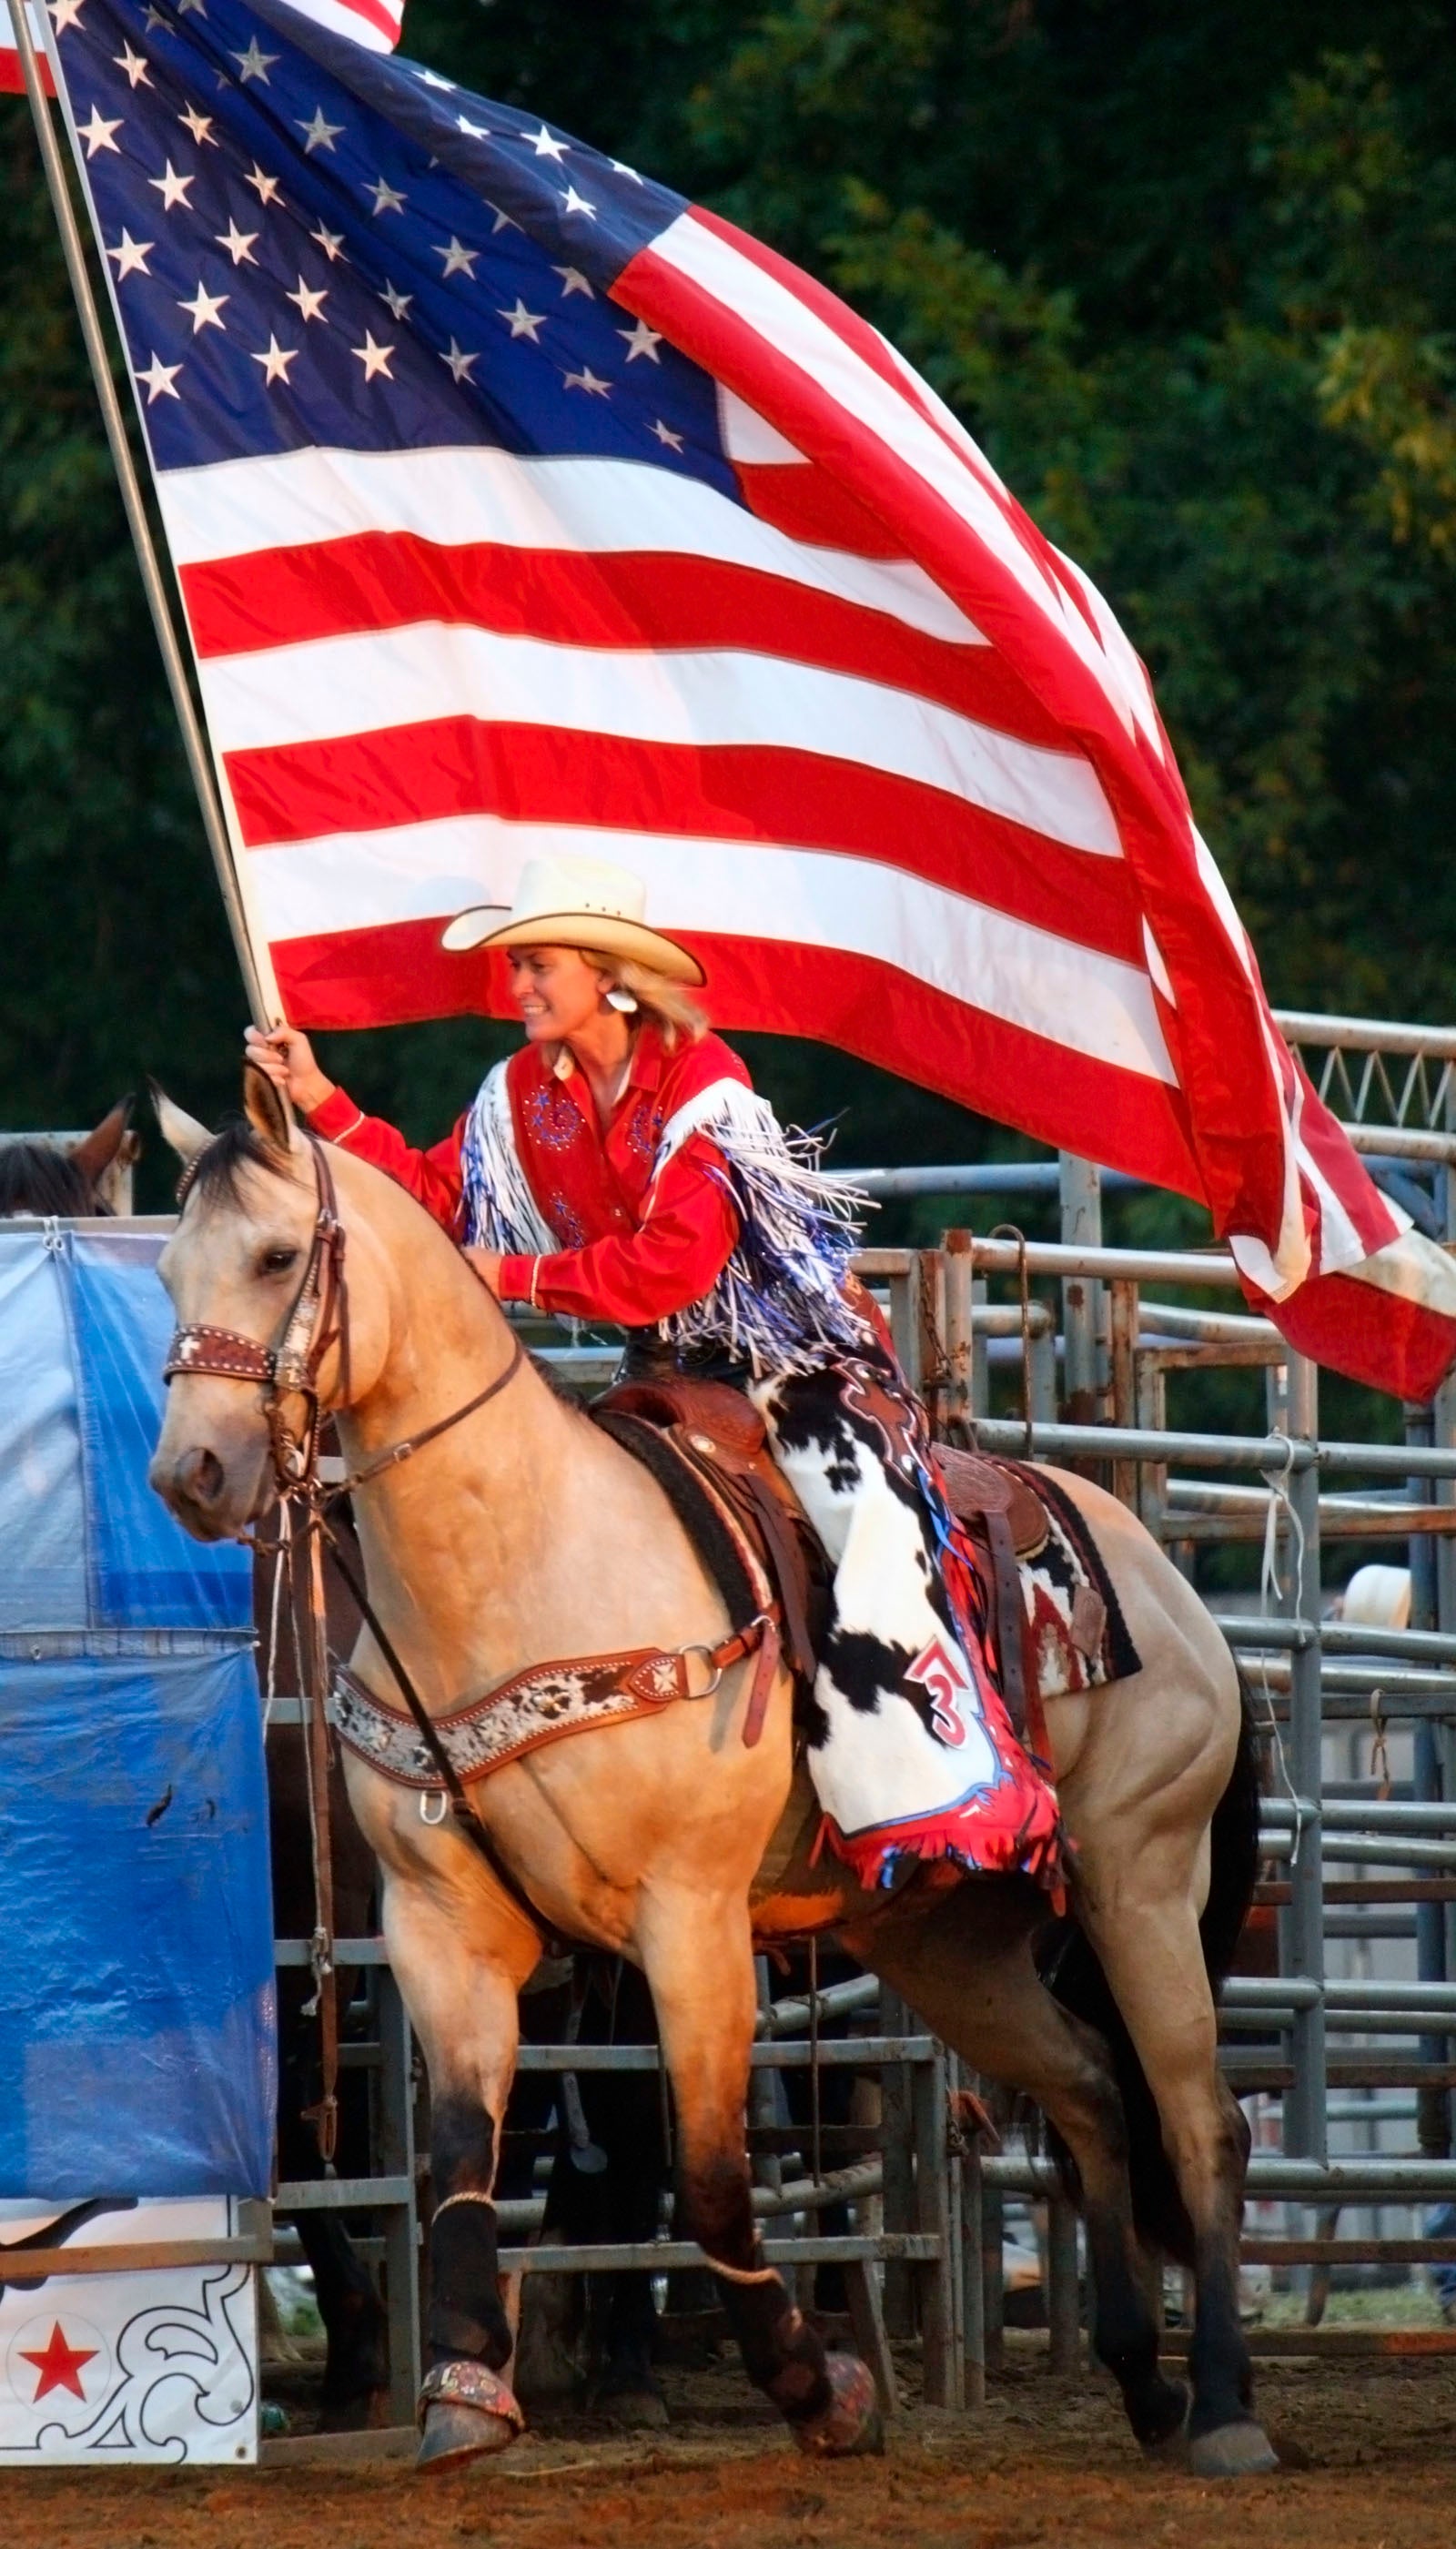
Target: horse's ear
96 1151
182 1131
267 1107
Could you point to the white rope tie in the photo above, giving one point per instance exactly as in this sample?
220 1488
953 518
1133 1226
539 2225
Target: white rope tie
1271 1597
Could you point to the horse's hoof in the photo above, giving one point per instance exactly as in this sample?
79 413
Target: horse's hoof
467 2412
851 2424
1241 2450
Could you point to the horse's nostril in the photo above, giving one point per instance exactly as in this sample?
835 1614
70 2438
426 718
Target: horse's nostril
201 1477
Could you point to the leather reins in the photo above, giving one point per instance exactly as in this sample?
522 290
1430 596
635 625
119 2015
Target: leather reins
317 1320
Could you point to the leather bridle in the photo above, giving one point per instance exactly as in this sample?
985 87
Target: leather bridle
317 1320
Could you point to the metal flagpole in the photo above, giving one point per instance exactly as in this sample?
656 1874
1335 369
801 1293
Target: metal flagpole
264 1010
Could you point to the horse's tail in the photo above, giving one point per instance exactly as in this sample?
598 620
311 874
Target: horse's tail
1072 1971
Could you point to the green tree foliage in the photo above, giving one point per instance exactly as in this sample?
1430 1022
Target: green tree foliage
1186 274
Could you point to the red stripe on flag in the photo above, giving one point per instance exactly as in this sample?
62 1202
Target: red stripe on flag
388 976
1360 1329
623 598
13 78
541 774
807 504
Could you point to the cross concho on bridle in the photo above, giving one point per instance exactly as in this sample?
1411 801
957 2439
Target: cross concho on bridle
317 1319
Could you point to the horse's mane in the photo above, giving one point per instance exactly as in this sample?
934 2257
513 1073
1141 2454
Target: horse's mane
40 1178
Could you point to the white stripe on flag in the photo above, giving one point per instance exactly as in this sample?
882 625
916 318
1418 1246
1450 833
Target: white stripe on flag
1085 1003
241 507
330 687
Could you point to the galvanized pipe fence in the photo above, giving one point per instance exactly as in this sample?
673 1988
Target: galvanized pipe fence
1066 1350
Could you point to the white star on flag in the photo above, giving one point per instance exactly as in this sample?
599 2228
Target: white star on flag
573 281
460 362
477 132
160 378
586 379
457 259
264 186
203 312
238 243
199 126
276 360
310 303
666 436
623 170
385 198
396 303
332 243
132 256
254 64
318 135
97 133
134 66
523 322
65 13
572 202
641 339
173 188
546 144
375 358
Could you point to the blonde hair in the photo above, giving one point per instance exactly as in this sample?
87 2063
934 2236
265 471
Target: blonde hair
657 995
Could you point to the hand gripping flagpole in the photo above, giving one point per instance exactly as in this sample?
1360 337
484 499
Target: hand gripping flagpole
261 994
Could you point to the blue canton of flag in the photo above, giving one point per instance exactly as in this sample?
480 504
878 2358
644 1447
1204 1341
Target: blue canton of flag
311 244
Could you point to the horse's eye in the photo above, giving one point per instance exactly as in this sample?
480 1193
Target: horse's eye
277 1261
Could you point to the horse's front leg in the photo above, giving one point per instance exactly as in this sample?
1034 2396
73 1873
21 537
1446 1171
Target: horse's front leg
461 1952
699 1959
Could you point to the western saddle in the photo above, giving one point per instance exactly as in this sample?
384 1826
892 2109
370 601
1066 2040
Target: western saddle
706 1446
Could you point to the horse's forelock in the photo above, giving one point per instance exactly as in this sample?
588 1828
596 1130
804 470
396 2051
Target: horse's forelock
216 1176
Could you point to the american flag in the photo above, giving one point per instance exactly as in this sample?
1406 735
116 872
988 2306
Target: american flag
519 506
375 22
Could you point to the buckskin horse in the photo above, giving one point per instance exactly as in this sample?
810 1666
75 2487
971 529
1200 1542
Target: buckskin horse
499 1527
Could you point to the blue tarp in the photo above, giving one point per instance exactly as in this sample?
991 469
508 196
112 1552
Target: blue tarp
137 2047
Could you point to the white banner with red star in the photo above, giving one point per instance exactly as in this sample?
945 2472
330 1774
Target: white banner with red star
156 2364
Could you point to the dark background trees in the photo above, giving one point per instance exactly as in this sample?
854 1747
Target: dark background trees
1187 275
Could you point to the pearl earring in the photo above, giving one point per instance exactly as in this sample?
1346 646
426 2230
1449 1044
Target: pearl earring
622 1000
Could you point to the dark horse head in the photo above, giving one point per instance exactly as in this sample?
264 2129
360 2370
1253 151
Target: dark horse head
39 1176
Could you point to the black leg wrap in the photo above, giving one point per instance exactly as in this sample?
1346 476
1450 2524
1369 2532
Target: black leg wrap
467 2318
1219 2358
465 2313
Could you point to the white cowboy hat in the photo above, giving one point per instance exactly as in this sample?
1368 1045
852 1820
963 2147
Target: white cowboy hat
575 902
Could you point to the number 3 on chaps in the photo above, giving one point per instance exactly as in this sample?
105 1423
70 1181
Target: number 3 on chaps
943 1671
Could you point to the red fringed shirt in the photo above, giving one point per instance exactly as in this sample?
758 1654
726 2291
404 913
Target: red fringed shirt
633 1251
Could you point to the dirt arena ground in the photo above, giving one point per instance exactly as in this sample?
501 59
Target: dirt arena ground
1370 2452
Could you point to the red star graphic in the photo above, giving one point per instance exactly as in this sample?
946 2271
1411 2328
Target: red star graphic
59 2367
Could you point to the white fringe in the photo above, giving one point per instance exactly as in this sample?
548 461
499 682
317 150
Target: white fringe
779 1302
501 1211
